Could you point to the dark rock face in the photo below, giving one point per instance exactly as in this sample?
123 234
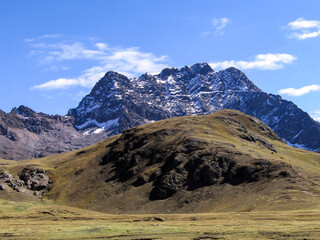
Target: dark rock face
172 160
118 103
7 133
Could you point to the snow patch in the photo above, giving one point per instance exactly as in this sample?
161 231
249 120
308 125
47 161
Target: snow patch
99 130
297 145
94 123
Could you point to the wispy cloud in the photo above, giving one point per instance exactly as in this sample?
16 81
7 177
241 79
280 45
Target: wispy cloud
219 24
294 92
304 28
129 61
45 36
316 115
56 68
268 61
66 51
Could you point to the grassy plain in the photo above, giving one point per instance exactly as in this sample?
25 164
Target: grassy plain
31 220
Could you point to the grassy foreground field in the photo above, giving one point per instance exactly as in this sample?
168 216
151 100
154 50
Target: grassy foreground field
28 220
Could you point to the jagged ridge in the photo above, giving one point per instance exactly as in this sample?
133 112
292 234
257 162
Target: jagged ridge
117 103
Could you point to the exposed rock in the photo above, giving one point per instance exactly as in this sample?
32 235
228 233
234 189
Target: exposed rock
168 185
34 179
141 179
28 179
255 138
155 175
252 171
4 175
211 173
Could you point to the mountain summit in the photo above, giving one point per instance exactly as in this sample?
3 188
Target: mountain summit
117 102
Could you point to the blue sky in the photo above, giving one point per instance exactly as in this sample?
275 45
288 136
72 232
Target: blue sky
53 52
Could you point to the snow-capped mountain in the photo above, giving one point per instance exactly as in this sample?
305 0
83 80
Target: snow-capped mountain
117 103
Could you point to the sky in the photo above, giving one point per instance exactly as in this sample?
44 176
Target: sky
53 52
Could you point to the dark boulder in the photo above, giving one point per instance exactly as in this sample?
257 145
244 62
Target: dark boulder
34 179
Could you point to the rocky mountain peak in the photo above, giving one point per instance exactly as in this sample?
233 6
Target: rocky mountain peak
110 81
23 111
202 68
236 80
167 72
117 103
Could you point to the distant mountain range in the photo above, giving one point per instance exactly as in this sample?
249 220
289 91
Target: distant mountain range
117 103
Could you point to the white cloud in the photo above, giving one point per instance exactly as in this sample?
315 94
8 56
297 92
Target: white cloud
56 35
207 33
65 51
307 28
102 46
262 61
128 61
305 35
301 23
56 68
45 36
316 115
219 24
57 84
300 91
132 61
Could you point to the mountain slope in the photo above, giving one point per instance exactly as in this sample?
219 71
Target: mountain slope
117 103
27 134
226 161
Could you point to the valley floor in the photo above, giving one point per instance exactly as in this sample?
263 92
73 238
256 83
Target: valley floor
27 220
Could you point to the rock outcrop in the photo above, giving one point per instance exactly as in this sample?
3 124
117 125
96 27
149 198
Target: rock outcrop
28 180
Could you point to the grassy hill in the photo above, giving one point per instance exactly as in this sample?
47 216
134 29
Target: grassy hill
226 161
